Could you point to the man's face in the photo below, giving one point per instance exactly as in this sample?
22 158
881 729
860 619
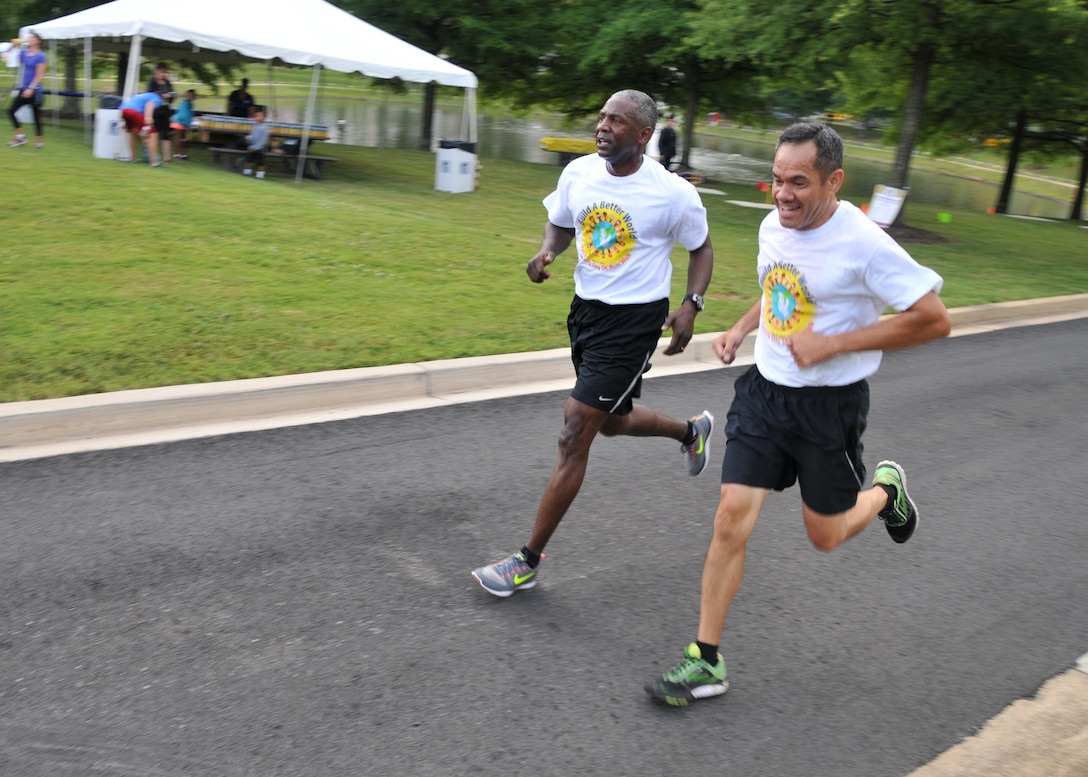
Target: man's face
619 138
804 200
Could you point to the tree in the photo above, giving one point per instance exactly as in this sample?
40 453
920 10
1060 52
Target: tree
879 55
1017 88
498 40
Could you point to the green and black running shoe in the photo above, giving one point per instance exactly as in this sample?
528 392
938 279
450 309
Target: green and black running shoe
690 680
901 518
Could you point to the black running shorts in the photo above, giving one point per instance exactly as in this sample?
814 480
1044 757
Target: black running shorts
611 346
777 436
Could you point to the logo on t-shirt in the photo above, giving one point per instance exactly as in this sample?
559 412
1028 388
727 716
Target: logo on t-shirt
788 307
607 235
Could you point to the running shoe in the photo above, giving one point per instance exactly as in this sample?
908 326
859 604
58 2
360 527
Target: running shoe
697 453
504 577
901 517
690 680
39 145
20 140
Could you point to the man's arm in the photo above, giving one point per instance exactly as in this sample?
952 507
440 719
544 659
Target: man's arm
925 320
682 322
556 239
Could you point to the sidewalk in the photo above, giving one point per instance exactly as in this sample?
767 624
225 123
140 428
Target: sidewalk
52 427
1045 736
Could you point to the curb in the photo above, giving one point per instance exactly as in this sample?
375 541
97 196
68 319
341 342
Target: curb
119 419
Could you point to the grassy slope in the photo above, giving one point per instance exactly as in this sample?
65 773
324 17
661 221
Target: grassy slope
118 276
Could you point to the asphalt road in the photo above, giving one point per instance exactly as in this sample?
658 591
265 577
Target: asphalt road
297 601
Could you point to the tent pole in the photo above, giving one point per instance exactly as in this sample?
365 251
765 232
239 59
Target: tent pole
381 123
88 98
56 97
304 143
133 74
271 94
468 120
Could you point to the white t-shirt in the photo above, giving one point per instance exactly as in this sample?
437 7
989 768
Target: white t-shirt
625 227
839 277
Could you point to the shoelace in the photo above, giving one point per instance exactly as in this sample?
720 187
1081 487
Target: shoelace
508 568
683 670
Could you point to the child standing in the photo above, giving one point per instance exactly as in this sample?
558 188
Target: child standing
258 140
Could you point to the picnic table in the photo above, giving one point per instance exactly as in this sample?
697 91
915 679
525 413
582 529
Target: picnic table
313 164
569 148
215 129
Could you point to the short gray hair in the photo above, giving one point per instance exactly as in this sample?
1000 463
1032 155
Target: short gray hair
645 107
828 144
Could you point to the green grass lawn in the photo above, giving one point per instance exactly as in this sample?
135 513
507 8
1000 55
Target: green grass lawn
117 276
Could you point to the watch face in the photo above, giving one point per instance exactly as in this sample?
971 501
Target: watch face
698 300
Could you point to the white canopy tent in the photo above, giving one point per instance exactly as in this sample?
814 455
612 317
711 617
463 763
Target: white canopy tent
307 33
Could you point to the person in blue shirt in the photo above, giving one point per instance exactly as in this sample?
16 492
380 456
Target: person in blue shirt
138 113
29 92
182 123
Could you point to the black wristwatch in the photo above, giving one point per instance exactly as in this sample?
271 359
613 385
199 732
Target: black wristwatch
697 299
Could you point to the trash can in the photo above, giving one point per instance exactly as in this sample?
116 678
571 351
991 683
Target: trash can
455 166
110 138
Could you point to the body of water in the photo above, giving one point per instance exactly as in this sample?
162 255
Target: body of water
729 162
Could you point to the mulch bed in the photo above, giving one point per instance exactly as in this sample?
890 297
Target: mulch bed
907 234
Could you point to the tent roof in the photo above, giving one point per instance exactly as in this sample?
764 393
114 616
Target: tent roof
302 32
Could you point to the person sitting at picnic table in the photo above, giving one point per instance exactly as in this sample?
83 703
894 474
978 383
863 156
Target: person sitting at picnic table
182 123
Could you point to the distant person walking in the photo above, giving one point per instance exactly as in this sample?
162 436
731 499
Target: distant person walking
33 64
624 214
666 143
827 273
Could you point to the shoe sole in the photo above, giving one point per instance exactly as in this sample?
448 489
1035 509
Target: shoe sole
902 533
706 446
503 593
696 694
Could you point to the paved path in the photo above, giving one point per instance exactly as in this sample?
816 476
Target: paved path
296 601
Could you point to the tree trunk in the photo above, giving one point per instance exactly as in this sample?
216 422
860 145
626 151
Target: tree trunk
691 116
426 129
70 106
122 71
1014 159
912 118
1078 198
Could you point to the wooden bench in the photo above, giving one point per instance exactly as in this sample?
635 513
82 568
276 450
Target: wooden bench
314 163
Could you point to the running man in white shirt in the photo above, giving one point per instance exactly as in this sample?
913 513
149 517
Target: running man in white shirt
827 273
624 214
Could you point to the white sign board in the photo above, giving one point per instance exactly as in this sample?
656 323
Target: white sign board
886 203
